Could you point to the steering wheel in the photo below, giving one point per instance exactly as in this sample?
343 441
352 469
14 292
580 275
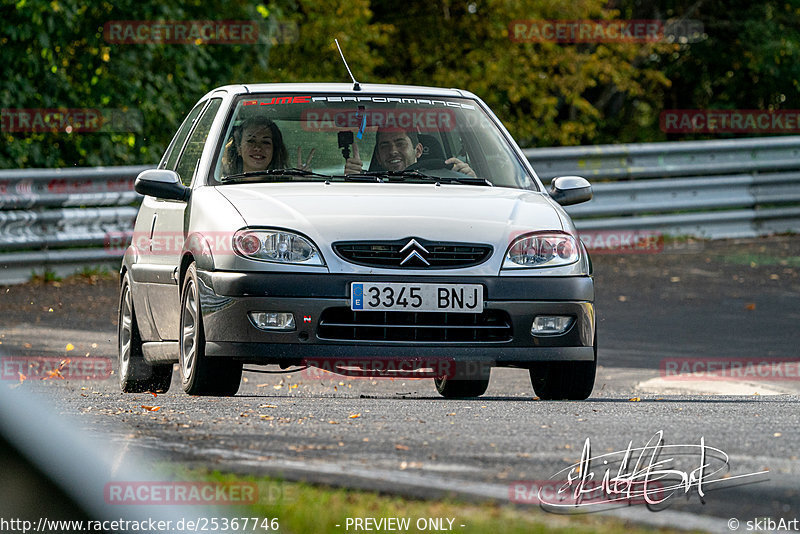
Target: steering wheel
431 164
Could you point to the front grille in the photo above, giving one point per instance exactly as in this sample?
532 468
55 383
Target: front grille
399 255
344 324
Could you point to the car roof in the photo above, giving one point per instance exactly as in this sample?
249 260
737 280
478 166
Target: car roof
345 88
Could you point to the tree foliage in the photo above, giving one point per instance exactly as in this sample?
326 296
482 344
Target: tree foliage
54 55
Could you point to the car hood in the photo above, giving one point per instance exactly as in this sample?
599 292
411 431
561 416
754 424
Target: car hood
387 212
346 211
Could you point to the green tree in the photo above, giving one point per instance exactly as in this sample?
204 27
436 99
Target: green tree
54 55
747 58
546 93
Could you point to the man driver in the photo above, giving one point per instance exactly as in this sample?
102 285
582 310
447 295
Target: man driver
397 151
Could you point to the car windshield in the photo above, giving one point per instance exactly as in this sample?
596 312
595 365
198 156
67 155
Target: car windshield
369 138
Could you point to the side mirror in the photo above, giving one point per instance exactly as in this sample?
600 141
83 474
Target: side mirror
568 190
161 183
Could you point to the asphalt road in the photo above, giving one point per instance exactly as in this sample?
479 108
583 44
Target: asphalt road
730 299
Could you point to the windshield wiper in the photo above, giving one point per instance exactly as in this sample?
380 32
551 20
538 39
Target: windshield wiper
272 172
466 179
362 177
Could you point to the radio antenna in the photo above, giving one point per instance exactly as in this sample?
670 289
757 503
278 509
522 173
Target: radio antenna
356 85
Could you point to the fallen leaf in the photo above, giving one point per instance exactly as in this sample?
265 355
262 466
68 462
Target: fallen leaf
293 386
634 399
750 306
268 406
279 386
151 408
70 347
153 393
333 422
267 417
261 385
355 416
451 413
776 435
55 373
622 298
22 378
401 447
675 279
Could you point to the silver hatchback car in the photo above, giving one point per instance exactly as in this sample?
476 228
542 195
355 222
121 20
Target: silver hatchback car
379 229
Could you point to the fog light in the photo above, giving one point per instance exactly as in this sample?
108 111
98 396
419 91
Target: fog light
272 320
548 325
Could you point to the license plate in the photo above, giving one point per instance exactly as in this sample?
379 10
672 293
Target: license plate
371 296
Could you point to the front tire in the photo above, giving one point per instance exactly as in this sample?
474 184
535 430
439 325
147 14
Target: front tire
564 380
135 374
201 375
469 380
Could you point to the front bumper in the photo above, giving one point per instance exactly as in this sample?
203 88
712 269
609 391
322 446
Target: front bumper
227 297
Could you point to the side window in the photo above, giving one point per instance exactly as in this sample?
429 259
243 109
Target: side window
197 141
177 143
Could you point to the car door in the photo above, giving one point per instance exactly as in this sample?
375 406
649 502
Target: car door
143 274
168 231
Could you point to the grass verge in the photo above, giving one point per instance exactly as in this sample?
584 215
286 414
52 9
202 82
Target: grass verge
305 508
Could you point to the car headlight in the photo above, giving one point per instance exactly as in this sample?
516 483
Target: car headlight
544 249
277 246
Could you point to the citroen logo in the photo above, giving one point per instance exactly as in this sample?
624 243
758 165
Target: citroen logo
415 248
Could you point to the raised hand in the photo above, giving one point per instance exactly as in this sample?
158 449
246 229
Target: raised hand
307 165
353 164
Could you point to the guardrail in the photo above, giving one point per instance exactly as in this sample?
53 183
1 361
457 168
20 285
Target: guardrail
712 189
60 219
